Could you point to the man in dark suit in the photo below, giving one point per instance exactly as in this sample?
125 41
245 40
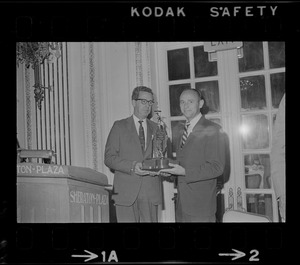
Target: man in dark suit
137 194
201 159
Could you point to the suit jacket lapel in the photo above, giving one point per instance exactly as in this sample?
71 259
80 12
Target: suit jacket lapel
180 138
132 129
150 132
198 127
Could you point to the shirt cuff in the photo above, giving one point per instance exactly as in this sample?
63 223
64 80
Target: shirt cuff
133 166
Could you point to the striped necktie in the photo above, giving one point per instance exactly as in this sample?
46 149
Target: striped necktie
142 135
185 134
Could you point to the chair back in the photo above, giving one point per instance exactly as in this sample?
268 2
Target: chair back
233 216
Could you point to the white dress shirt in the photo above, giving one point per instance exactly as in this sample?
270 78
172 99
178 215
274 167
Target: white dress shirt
193 122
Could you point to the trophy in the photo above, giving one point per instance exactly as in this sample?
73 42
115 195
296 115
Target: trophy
159 147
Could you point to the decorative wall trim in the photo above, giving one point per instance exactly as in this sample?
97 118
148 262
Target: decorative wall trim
138 63
230 200
240 200
93 105
86 105
28 92
103 100
142 64
148 64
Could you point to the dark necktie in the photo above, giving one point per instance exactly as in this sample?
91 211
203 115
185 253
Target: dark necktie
185 134
142 136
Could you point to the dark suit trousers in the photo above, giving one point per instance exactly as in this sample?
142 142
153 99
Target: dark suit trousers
182 217
141 211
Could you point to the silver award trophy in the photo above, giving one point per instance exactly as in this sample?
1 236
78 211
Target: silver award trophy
159 147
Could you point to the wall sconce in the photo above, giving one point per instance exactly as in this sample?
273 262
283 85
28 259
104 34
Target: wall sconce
34 54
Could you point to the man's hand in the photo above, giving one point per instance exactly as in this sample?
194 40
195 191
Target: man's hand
164 174
161 174
138 169
175 170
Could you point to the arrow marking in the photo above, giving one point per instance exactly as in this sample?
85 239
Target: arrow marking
90 256
238 254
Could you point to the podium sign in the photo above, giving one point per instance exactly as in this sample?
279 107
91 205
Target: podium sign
48 193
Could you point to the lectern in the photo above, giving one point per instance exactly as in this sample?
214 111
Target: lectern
49 193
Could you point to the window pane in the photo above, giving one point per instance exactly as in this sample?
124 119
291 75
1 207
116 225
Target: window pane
202 66
274 119
253 92
257 171
260 204
255 131
178 64
253 58
276 54
210 92
174 92
277 88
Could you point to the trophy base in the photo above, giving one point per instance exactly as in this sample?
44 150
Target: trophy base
155 164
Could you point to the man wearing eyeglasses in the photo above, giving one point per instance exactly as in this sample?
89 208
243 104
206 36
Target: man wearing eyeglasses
137 194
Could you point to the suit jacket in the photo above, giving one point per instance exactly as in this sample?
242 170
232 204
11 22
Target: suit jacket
203 157
122 149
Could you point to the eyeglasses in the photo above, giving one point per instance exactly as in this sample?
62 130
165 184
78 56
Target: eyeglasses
145 101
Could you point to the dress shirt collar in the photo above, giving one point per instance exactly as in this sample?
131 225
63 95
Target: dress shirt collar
193 122
136 120
137 124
